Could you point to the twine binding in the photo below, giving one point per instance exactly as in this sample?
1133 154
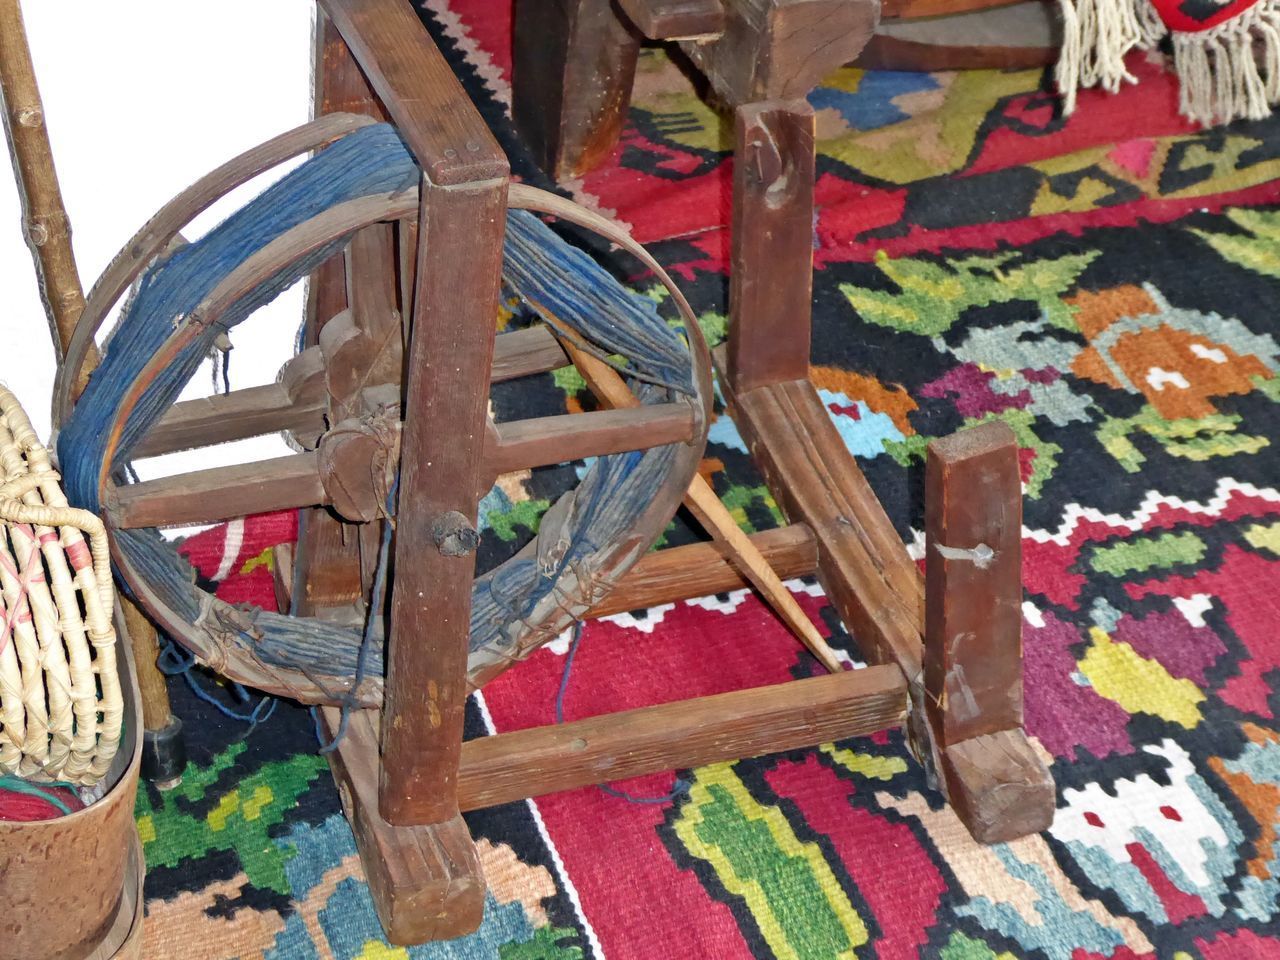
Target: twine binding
1226 72
61 706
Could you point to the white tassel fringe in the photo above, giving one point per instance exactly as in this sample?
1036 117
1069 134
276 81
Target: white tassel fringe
1227 72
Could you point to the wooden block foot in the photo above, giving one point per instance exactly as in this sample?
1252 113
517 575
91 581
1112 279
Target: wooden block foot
425 880
999 786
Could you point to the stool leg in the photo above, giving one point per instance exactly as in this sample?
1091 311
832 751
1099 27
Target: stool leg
575 62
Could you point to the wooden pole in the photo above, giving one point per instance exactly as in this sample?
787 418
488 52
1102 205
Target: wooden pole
48 232
715 518
44 218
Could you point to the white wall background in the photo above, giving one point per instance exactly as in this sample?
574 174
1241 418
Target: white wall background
142 97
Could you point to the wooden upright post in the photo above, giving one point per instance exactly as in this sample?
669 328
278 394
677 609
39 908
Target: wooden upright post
995 781
771 280
574 66
460 233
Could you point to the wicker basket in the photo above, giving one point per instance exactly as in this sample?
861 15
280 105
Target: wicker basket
61 705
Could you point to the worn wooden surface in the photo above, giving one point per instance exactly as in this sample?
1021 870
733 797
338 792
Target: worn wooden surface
294 404
576 436
575 62
701 569
973 583
441 463
685 733
973 634
780 49
675 19
422 96
219 493
327 572
861 560
771 271
910 9
62 881
1019 36
885 52
425 881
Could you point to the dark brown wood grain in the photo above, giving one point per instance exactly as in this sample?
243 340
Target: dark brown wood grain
685 733
908 9
973 635
1021 35
576 436
780 49
973 583
327 572
896 53
218 493
861 560
675 19
574 64
418 89
701 569
425 880
771 273
441 463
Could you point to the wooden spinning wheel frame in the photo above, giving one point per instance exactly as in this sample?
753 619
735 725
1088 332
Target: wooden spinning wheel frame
953 677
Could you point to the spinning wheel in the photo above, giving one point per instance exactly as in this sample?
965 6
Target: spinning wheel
341 401
410 233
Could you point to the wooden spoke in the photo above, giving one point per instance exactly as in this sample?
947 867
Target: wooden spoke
576 436
522 353
220 493
701 569
274 407
238 415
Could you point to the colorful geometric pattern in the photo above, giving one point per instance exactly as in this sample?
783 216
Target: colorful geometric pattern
1106 285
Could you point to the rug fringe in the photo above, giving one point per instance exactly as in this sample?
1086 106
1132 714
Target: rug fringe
1227 72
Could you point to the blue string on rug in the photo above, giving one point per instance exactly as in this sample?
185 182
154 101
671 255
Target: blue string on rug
681 786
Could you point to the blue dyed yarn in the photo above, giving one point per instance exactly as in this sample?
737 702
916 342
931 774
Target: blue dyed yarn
539 266
679 788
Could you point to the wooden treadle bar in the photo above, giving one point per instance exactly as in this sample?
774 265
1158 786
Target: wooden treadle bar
686 733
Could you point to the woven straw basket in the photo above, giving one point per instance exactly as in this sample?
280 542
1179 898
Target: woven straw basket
61 705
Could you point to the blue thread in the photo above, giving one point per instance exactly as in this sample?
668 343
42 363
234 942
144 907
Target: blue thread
376 597
681 785
544 270
174 661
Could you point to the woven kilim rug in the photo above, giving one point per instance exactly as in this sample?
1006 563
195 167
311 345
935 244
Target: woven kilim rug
1106 285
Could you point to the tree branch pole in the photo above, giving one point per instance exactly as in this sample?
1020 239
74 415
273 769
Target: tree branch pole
48 234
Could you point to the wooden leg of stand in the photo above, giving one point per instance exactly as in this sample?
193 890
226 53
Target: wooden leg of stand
575 61
995 781
771 280
327 577
998 786
425 880
460 232
164 750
